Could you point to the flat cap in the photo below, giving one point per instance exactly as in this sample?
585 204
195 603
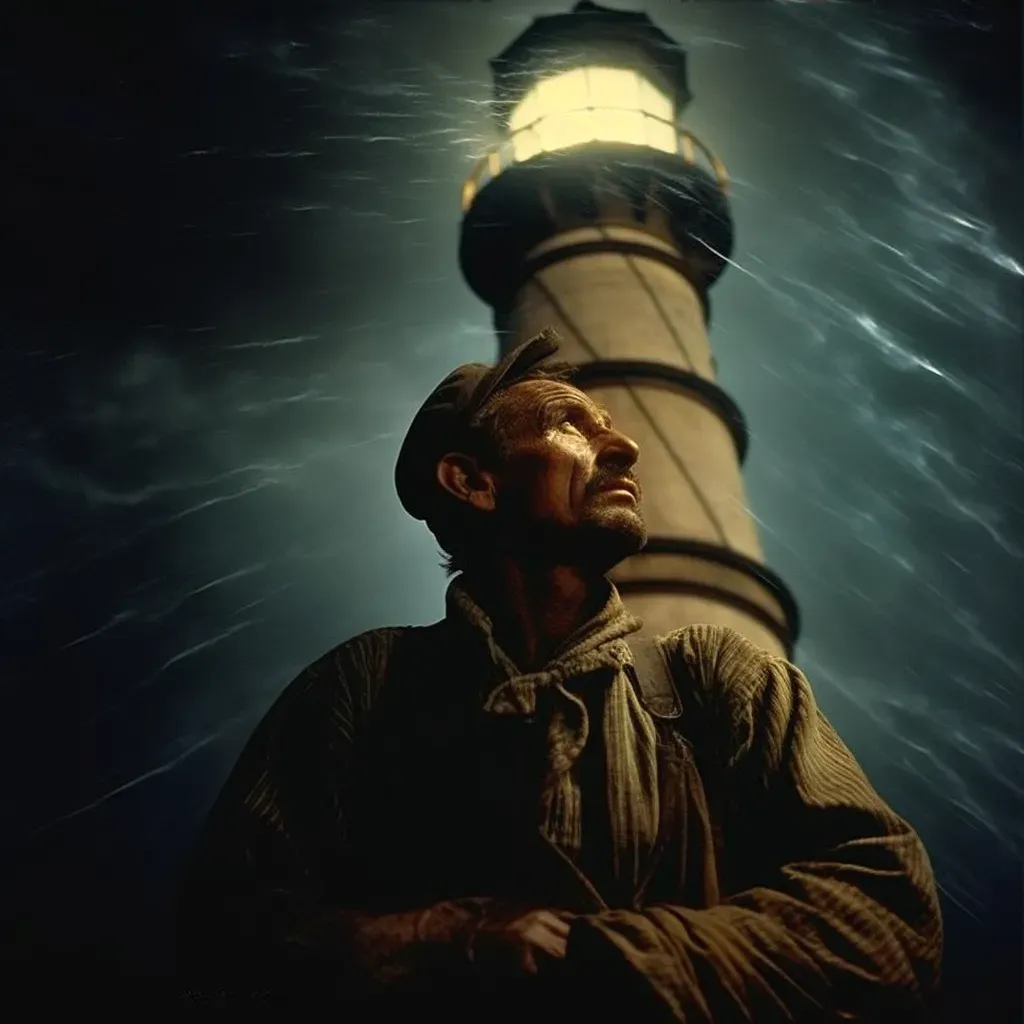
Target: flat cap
443 421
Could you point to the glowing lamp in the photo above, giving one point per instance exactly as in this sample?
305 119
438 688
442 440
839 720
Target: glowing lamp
592 104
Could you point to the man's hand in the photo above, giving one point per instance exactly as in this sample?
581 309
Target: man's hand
509 942
487 936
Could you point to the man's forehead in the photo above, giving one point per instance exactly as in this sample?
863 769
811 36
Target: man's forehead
538 393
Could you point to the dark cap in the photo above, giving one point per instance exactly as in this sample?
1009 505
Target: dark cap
444 419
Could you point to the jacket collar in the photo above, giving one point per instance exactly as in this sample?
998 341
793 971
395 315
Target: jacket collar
597 640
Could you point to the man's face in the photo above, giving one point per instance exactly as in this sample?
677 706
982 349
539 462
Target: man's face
566 486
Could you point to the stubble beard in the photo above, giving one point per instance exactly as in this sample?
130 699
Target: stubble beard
607 536
599 542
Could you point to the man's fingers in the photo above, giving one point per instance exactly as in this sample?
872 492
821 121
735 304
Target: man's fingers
521 943
528 962
547 940
558 925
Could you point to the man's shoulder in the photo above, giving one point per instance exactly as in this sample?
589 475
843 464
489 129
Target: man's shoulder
726 675
359 652
359 664
344 682
714 656
708 640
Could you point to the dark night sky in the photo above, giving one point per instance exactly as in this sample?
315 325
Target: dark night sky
231 278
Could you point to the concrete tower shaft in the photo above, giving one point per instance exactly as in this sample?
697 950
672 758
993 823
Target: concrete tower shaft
600 215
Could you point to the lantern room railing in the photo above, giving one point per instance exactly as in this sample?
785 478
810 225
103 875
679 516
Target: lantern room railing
674 139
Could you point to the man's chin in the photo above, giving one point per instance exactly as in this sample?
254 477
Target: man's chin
612 538
597 545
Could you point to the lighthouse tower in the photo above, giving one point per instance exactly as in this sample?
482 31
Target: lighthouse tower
599 214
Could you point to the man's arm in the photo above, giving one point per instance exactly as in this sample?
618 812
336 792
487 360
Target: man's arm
264 902
837 916
272 903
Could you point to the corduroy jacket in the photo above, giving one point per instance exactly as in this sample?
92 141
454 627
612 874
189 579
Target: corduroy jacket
775 883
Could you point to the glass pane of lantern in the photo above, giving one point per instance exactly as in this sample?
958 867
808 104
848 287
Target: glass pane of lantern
560 131
614 87
524 145
654 101
620 126
559 93
661 135
525 112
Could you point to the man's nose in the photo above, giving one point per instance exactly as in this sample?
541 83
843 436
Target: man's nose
619 450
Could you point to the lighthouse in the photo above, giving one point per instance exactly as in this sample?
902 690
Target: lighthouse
600 214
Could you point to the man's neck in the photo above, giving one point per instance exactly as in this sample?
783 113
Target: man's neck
535 609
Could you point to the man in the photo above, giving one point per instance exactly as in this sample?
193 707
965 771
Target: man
497 817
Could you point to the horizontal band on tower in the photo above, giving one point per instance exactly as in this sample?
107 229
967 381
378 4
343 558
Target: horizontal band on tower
705 590
787 631
608 371
624 246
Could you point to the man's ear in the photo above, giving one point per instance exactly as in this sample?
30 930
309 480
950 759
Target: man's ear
461 476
